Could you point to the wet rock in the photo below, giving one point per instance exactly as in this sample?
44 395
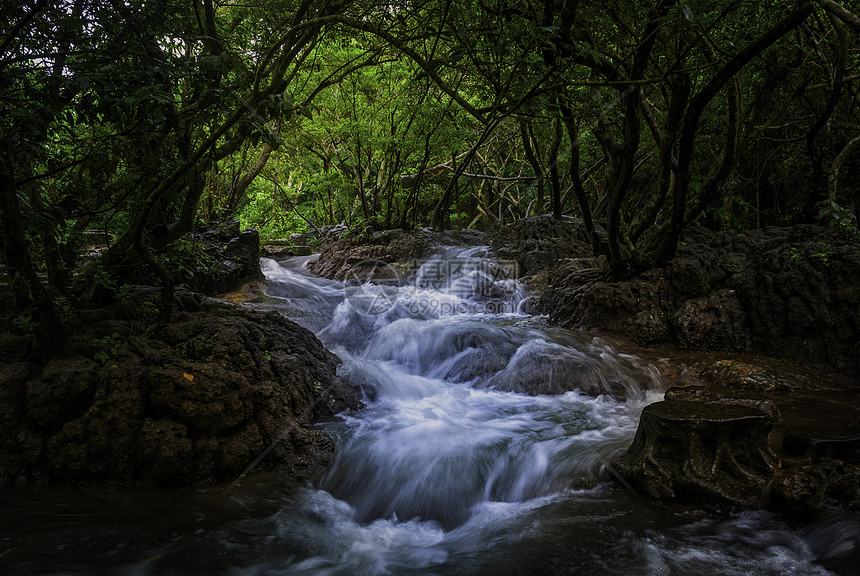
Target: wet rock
541 367
215 258
166 450
386 253
200 401
554 371
713 322
248 292
814 468
63 391
318 237
703 452
724 395
281 249
13 391
608 307
386 236
758 376
802 299
541 242
820 442
235 256
808 489
786 292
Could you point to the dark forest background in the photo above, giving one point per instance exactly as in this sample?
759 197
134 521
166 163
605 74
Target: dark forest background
129 123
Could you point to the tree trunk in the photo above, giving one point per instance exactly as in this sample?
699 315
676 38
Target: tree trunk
526 134
833 178
711 190
581 198
30 294
450 194
646 217
185 224
694 113
819 184
555 180
238 188
618 254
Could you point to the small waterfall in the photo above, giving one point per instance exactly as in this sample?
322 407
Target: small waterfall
481 445
470 401
479 452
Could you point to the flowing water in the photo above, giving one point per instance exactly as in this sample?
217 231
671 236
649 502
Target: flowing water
482 449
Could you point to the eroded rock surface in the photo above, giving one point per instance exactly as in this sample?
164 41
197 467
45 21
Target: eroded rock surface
700 452
386 252
787 292
541 243
750 432
221 387
809 488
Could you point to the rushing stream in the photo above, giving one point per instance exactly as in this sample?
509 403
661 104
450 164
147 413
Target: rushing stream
482 449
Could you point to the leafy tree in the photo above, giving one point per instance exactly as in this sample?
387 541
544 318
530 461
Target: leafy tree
138 118
140 98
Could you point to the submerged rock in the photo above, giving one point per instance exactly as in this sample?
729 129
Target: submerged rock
222 389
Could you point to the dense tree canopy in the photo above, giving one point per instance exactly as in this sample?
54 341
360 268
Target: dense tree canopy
138 119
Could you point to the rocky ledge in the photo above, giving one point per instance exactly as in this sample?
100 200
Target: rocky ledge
786 292
386 253
746 434
704 450
221 390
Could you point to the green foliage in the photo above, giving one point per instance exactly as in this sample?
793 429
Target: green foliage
94 282
186 348
274 215
24 320
108 347
839 218
824 253
796 255
142 115
187 259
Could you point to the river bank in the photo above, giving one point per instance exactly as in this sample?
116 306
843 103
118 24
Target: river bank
792 296
488 441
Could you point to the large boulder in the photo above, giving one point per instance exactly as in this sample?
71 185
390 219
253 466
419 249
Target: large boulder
701 451
386 255
540 244
220 391
234 256
787 292
747 432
